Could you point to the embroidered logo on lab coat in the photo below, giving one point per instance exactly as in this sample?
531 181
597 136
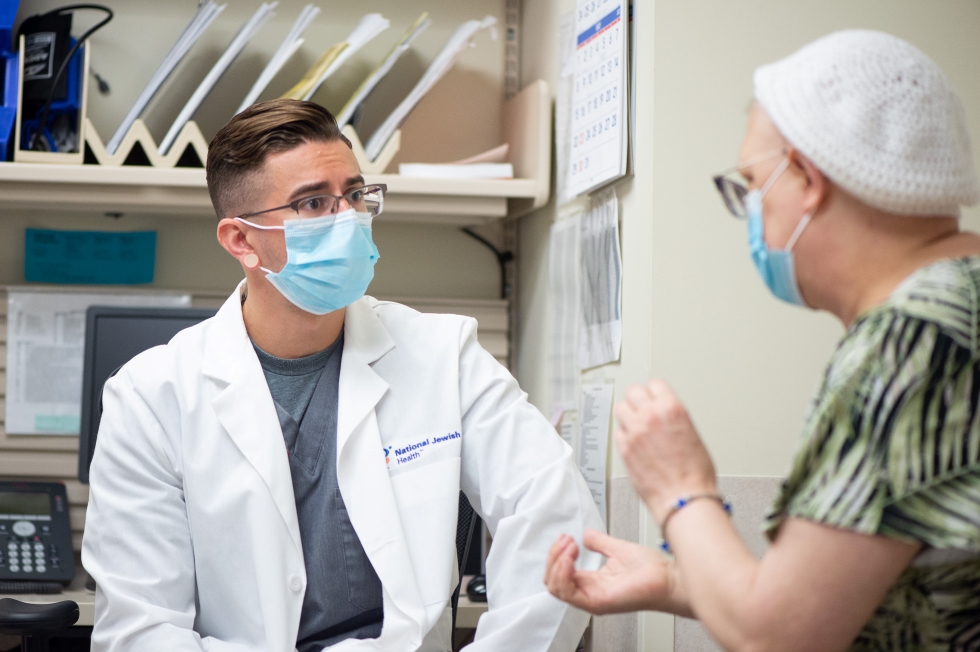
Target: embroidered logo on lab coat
418 451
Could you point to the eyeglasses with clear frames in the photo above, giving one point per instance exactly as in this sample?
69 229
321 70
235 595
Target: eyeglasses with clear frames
366 199
733 190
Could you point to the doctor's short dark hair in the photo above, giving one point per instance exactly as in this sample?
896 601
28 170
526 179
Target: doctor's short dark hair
241 146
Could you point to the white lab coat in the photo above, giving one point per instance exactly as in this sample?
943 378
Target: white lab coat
192 534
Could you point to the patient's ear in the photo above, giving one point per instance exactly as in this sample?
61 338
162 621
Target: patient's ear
817 186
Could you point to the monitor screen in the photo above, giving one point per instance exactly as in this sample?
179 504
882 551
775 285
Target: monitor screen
113 336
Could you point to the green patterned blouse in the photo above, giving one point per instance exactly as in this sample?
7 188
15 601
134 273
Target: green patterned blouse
892 447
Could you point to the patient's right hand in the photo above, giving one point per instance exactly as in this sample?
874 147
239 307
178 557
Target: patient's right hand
634 577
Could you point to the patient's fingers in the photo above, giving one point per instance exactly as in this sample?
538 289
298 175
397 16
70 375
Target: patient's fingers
599 542
560 544
565 545
561 579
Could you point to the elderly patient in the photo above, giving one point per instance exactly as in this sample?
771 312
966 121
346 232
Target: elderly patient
855 163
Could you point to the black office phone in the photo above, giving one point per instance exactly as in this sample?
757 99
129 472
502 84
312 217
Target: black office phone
35 533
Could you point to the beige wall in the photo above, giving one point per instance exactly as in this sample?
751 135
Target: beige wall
694 310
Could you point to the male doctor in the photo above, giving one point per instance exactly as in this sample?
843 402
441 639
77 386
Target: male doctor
286 474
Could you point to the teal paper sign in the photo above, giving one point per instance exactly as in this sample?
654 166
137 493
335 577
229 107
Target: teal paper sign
57 423
89 257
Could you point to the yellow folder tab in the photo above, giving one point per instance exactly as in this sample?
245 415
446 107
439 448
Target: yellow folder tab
382 69
370 26
312 77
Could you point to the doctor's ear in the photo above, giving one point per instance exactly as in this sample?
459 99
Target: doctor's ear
231 236
816 184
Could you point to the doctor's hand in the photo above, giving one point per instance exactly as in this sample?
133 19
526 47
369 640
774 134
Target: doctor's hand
634 577
663 453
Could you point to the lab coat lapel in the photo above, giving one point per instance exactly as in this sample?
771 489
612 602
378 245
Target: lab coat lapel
365 341
246 410
362 473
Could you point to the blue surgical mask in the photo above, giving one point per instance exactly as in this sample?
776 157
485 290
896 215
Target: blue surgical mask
777 267
329 261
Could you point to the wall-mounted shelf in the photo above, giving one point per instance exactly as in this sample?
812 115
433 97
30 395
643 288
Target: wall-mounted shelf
183 191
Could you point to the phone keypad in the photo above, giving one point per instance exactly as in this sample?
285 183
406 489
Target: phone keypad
31 554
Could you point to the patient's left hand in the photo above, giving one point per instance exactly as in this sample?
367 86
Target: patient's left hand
634 577
661 449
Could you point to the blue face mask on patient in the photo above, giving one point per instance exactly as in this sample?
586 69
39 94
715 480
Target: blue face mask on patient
777 267
329 260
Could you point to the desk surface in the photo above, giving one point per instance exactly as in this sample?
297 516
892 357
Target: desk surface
467 614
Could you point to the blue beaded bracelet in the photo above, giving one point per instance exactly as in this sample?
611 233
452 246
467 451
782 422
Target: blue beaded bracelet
684 501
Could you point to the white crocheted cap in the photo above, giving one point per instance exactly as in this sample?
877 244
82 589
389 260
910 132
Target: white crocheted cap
878 117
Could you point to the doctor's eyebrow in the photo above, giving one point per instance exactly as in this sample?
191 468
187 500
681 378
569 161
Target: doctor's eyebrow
324 186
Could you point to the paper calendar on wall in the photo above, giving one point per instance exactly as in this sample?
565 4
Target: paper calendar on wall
598 120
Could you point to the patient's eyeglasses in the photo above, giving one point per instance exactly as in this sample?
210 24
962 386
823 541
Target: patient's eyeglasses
732 187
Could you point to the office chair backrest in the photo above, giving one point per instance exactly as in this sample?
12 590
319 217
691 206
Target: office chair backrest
465 527
36 623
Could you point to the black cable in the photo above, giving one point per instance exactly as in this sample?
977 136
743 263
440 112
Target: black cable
503 257
103 84
64 64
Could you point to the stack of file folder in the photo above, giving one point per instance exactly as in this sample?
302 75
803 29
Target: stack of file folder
374 156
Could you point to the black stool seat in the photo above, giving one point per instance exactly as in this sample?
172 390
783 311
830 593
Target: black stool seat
20 618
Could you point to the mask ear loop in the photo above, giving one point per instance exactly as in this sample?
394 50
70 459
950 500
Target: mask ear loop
251 261
259 226
803 221
772 177
799 230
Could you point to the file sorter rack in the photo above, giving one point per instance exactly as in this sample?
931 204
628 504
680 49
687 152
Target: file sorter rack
183 190
190 149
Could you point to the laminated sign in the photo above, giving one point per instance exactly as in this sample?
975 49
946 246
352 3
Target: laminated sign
89 257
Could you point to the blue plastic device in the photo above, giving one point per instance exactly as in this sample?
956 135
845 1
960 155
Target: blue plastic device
9 66
69 105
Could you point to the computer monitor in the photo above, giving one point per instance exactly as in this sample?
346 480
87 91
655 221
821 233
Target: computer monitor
113 336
